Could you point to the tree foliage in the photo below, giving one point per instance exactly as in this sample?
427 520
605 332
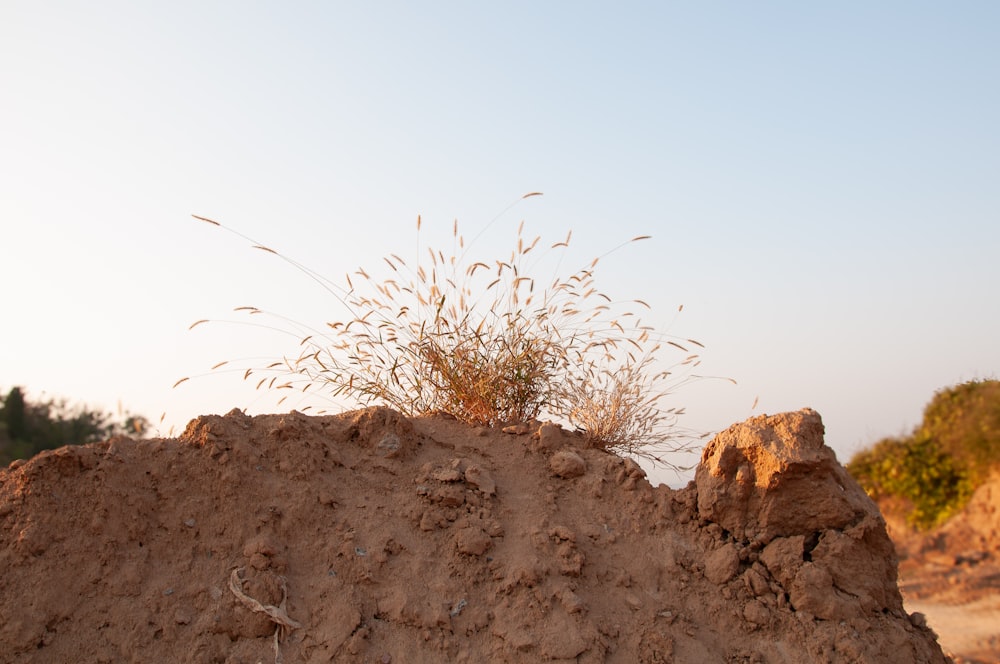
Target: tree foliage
965 420
917 470
937 467
28 427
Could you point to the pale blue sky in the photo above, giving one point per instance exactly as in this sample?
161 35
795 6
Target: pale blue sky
821 181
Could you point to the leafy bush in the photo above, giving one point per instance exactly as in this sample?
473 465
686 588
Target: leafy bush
489 344
917 470
944 460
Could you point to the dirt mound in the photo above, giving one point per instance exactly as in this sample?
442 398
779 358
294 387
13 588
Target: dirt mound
960 558
952 574
975 534
370 537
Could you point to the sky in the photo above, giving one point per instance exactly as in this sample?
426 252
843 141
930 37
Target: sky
820 181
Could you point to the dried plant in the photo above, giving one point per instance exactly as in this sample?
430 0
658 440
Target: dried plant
621 408
488 344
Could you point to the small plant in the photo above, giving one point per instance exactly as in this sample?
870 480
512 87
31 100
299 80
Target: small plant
489 344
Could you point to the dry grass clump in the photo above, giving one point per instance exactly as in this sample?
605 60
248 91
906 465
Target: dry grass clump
489 344
622 409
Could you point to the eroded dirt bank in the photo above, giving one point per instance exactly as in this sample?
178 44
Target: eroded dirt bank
952 574
369 537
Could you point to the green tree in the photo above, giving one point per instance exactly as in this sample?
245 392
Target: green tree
965 419
14 413
30 427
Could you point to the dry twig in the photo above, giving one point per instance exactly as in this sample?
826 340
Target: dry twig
278 614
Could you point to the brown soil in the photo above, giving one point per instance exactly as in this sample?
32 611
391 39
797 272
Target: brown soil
952 575
370 537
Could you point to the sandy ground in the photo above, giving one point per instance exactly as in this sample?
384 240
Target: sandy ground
969 632
962 606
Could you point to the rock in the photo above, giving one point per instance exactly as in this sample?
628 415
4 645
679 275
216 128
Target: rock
756 581
722 564
562 639
570 601
550 436
783 557
479 478
447 475
862 562
389 446
812 591
756 478
472 541
567 464
756 613
389 432
772 481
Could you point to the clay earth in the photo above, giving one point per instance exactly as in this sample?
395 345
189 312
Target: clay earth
372 537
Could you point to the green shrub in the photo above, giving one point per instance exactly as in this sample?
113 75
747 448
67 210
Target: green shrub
488 343
944 460
965 419
917 470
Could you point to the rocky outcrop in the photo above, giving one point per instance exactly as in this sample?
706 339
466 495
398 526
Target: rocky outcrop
774 486
774 477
